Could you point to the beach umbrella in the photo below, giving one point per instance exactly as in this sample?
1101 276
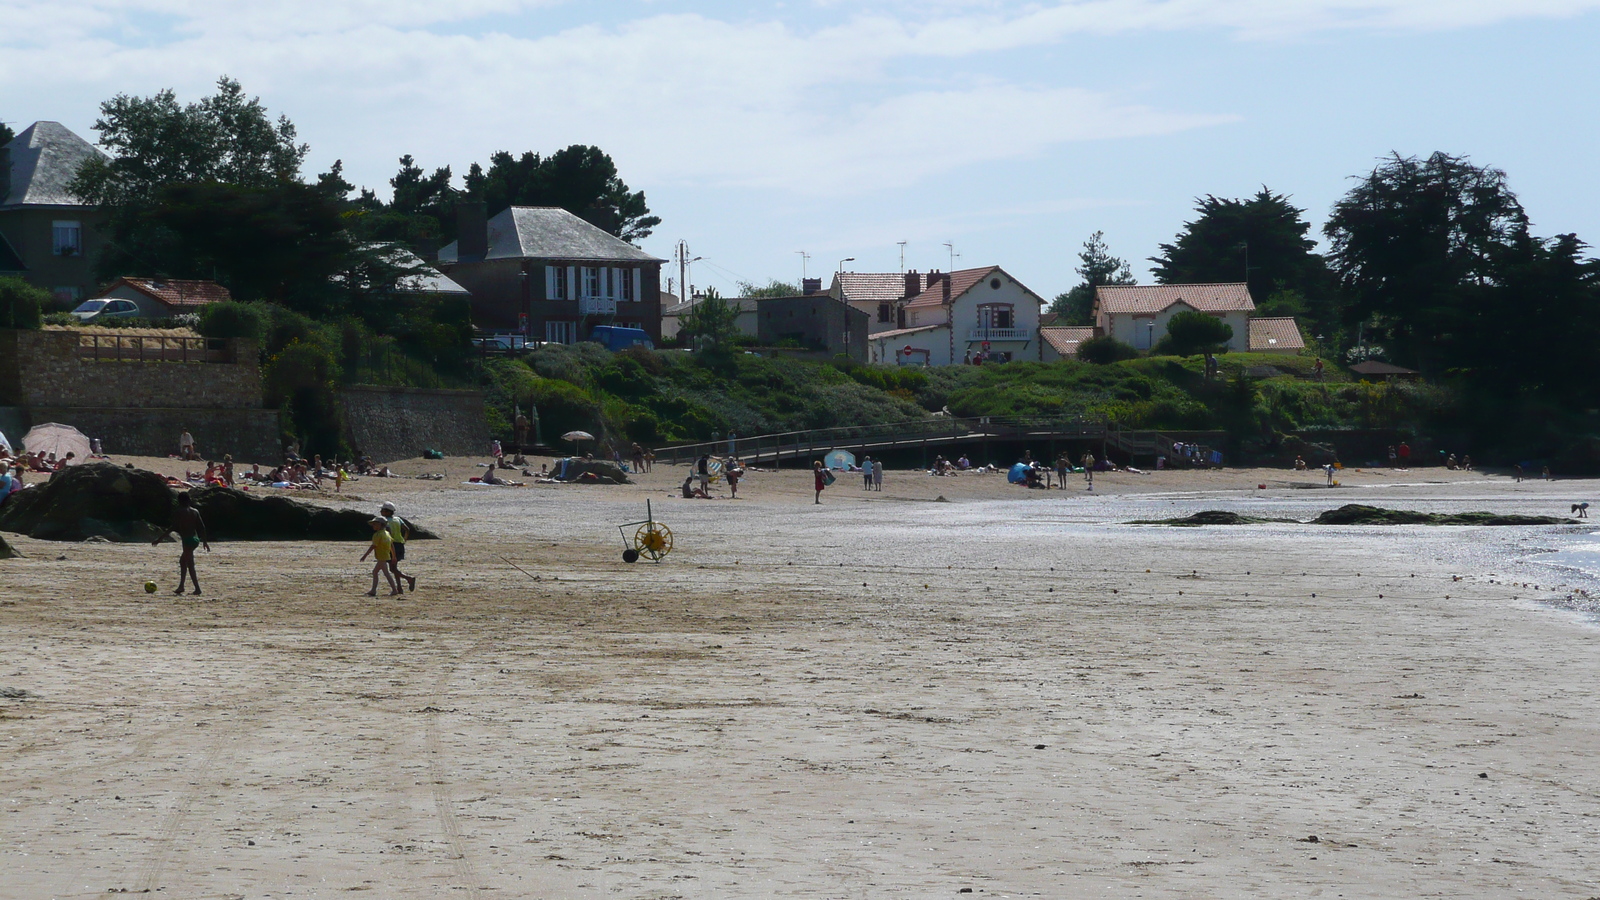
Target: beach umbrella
577 437
839 459
5 444
59 439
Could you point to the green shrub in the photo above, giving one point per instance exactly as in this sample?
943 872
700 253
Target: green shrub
233 319
1105 350
21 304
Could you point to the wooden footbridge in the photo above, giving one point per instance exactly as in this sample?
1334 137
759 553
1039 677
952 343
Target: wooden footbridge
936 434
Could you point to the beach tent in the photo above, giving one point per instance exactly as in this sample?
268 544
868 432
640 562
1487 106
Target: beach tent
52 437
1018 474
839 459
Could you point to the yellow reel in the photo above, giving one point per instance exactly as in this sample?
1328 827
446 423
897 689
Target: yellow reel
653 540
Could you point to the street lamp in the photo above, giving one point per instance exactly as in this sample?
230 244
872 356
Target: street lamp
843 261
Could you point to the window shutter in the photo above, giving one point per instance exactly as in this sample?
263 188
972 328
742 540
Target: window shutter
574 288
550 283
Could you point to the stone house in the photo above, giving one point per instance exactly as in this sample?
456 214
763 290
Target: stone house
546 273
47 235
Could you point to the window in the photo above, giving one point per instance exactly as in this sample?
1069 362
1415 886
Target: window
627 283
555 283
885 310
561 332
591 281
995 315
66 238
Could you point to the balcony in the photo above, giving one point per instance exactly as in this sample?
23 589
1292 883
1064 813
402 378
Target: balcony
982 333
597 306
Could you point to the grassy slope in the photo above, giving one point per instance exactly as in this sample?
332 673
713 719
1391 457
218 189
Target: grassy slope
657 397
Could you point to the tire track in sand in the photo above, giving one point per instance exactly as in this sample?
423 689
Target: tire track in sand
444 807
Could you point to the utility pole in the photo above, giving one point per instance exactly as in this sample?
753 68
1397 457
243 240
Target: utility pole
683 267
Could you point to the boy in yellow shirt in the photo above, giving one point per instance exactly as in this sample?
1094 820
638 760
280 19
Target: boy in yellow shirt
381 550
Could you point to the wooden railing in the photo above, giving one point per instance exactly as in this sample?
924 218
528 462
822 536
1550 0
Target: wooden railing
152 348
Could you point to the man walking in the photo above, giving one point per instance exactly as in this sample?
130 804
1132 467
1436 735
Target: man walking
399 529
191 531
866 473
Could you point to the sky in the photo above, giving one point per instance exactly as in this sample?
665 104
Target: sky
977 132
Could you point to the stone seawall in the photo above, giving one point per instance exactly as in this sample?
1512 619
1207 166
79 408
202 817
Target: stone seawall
251 435
140 368
389 423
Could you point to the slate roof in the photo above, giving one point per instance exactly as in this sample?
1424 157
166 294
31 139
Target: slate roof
961 281
175 293
1064 339
44 157
1276 334
427 281
548 232
1150 299
874 287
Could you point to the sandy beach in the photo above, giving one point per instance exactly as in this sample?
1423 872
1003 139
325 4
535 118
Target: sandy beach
952 685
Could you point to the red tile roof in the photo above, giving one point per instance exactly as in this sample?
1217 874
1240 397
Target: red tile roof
1153 298
175 293
961 281
1275 334
1064 339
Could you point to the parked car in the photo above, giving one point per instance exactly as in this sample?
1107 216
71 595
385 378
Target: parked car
95 310
503 342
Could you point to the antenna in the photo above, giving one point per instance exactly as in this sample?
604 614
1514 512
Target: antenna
804 257
953 254
902 256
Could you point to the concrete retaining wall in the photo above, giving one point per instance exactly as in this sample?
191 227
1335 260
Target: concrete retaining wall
251 435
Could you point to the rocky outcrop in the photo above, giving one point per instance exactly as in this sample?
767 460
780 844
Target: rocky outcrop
101 500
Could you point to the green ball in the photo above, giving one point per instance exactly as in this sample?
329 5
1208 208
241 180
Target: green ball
149 587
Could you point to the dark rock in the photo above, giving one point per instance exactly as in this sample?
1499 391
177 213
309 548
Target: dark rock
1209 517
591 471
1357 514
6 550
100 500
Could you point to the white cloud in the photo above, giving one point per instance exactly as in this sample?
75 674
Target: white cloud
676 97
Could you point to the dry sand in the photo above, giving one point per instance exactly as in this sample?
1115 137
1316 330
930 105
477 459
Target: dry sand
881 696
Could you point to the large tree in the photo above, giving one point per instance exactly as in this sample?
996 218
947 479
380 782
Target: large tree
156 141
580 179
1262 241
1418 245
1096 266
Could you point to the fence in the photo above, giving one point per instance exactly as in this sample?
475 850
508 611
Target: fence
149 348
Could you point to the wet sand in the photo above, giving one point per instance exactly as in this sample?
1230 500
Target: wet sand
884 695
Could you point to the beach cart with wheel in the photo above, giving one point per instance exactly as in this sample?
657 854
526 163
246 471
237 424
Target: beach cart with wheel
650 538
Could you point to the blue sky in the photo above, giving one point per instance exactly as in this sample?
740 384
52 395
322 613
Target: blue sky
1012 130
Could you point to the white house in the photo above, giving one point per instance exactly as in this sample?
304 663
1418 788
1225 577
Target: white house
1276 335
960 315
1061 341
1138 314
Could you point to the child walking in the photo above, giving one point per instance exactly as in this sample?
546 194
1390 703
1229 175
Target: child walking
381 550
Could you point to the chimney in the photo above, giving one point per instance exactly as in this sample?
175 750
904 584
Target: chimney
472 230
913 284
809 286
937 277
